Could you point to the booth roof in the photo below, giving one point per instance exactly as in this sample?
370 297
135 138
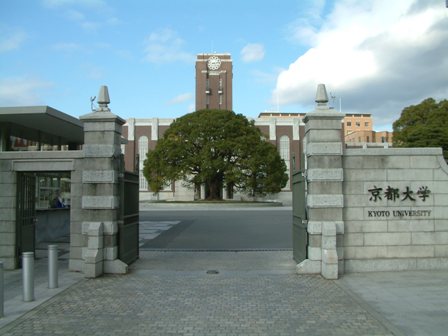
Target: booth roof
42 123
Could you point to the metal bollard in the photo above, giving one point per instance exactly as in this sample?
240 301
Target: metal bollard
28 276
2 304
52 266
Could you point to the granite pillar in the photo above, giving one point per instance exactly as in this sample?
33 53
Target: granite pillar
324 149
100 201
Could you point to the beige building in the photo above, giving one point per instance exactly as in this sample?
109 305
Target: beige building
357 122
358 129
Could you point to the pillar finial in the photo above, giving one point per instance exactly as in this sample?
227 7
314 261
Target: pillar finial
321 96
103 98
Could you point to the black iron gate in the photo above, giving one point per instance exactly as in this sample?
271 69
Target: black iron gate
299 226
128 230
25 214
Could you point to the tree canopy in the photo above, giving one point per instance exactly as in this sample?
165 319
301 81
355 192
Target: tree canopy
423 125
217 148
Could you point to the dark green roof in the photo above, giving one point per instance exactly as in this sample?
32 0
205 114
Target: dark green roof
42 123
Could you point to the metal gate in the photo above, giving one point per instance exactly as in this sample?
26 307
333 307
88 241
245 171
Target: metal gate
128 229
299 226
25 214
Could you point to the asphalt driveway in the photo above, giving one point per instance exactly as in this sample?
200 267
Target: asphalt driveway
223 229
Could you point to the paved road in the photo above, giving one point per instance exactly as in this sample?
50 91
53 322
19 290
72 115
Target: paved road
231 229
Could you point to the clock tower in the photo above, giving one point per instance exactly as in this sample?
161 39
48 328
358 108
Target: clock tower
214 82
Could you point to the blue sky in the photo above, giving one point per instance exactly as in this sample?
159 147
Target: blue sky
375 56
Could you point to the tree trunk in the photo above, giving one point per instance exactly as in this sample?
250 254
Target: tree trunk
229 190
215 189
197 191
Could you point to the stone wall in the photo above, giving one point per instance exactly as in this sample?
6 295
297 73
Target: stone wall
395 209
371 209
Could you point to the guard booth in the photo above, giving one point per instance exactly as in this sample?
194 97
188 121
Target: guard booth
40 145
300 222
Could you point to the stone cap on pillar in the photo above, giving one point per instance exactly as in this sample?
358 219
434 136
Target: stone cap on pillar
322 110
103 98
103 112
321 97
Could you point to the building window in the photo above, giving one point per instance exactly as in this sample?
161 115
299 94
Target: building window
366 124
143 182
50 187
358 124
142 151
14 143
368 139
349 123
284 154
284 147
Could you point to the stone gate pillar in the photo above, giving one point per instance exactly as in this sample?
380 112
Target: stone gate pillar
100 200
324 149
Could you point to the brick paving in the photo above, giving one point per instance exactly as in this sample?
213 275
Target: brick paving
188 301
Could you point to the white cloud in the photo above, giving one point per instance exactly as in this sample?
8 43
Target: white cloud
22 91
165 46
182 98
264 77
81 19
124 54
379 56
304 29
252 52
67 47
90 15
92 71
11 41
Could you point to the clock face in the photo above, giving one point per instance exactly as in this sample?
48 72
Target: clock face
214 63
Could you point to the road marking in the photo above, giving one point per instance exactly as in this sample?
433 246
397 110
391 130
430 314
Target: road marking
151 229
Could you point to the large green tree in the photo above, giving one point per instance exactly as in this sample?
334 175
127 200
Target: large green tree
423 125
216 148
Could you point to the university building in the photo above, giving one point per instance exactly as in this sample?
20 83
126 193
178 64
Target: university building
284 131
358 129
214 73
